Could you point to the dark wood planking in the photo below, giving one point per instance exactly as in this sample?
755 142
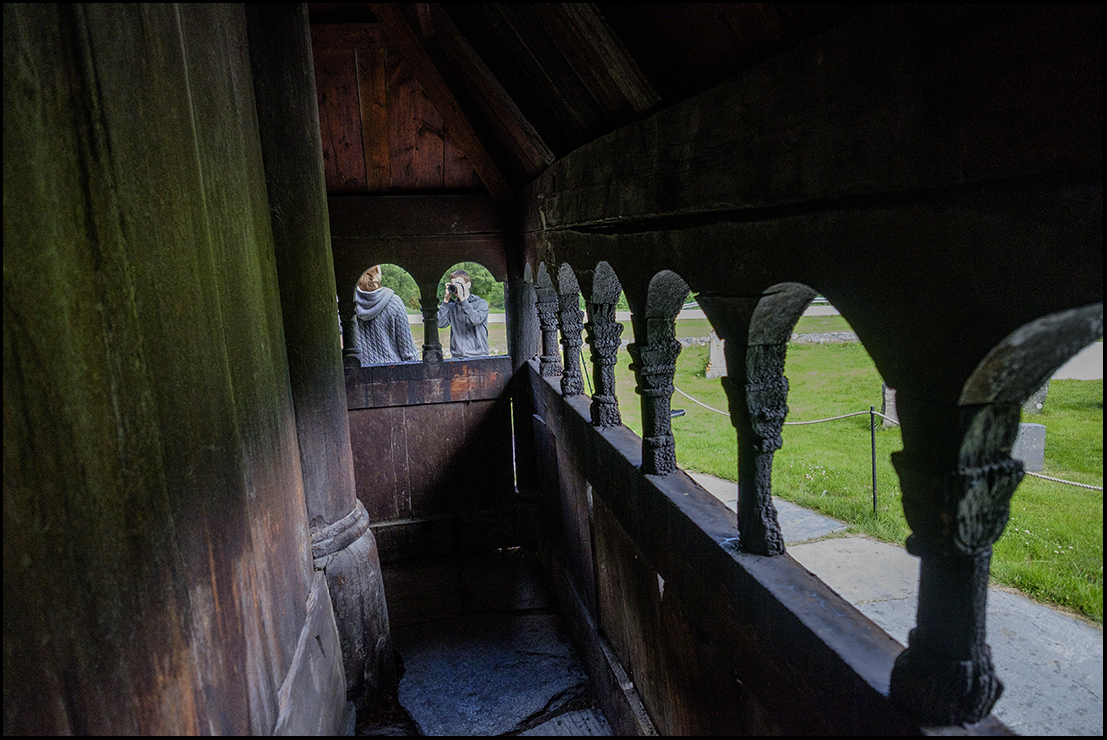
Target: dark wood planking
513 133
831 121
347 36
401 124
390 216
337 92
457 170
429 132
600 61
372 87
411 48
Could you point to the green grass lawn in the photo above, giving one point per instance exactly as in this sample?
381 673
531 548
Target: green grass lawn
1052 549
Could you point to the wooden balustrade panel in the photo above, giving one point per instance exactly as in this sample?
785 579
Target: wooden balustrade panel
432 455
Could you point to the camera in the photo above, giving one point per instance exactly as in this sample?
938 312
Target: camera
451 288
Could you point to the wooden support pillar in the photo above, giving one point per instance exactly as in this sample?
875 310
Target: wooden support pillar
601 290
957 479
757 392
604 338
341 541
547 305
348 315
428 304
654 353
569 320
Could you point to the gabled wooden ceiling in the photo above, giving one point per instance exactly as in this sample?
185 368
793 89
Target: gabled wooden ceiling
475 97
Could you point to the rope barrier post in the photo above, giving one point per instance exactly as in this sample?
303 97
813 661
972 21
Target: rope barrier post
872 437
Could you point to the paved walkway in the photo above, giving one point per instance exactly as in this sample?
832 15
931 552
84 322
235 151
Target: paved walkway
1051 664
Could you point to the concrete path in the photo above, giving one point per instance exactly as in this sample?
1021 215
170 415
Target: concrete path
1050 663
1088 365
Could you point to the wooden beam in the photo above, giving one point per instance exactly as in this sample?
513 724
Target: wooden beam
404 216
515 133
409 45
864 111
347 36
600 60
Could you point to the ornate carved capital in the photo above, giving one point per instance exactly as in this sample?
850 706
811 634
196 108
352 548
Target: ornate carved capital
959 512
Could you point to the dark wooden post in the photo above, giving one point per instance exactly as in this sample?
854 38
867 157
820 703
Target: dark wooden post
957 479
547 305
348 314
428 304
604 338
569 319
654 353
601 290
757 393
341 542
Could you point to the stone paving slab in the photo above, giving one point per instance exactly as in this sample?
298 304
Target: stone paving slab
485 674
796 523
581 723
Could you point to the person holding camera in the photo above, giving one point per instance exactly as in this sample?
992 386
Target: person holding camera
467 317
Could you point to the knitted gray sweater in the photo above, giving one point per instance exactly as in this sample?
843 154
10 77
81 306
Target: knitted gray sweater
383 334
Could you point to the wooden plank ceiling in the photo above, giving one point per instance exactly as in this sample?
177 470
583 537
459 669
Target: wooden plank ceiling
483 97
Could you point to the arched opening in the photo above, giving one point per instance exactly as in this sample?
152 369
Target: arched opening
1052 546
474 314
382 317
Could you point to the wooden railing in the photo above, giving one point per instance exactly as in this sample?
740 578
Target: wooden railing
710 640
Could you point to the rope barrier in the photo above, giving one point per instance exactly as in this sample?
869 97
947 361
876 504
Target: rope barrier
1069 482
794 423
883 416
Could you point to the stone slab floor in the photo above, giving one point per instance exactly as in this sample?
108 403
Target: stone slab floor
483 652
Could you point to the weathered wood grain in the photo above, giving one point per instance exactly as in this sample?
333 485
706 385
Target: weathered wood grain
337 91
373 104
410 47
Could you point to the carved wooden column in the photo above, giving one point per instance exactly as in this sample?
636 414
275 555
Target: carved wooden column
547 305
342 544
604 336
757 393
428 304
601 291
654 363
957 479
569 318
348 314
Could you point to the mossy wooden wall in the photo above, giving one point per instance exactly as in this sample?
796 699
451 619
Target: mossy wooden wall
157 563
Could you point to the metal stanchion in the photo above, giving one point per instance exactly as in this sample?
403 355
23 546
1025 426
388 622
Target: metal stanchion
872 439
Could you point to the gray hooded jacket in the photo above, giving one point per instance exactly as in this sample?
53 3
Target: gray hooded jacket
383 334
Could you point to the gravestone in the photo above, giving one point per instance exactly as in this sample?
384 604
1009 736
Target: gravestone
1030 447
716 360
888 406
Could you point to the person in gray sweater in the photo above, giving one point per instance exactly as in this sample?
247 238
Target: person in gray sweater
467 317
383 335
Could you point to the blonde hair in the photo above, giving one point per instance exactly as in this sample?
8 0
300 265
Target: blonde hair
370 279
461 274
